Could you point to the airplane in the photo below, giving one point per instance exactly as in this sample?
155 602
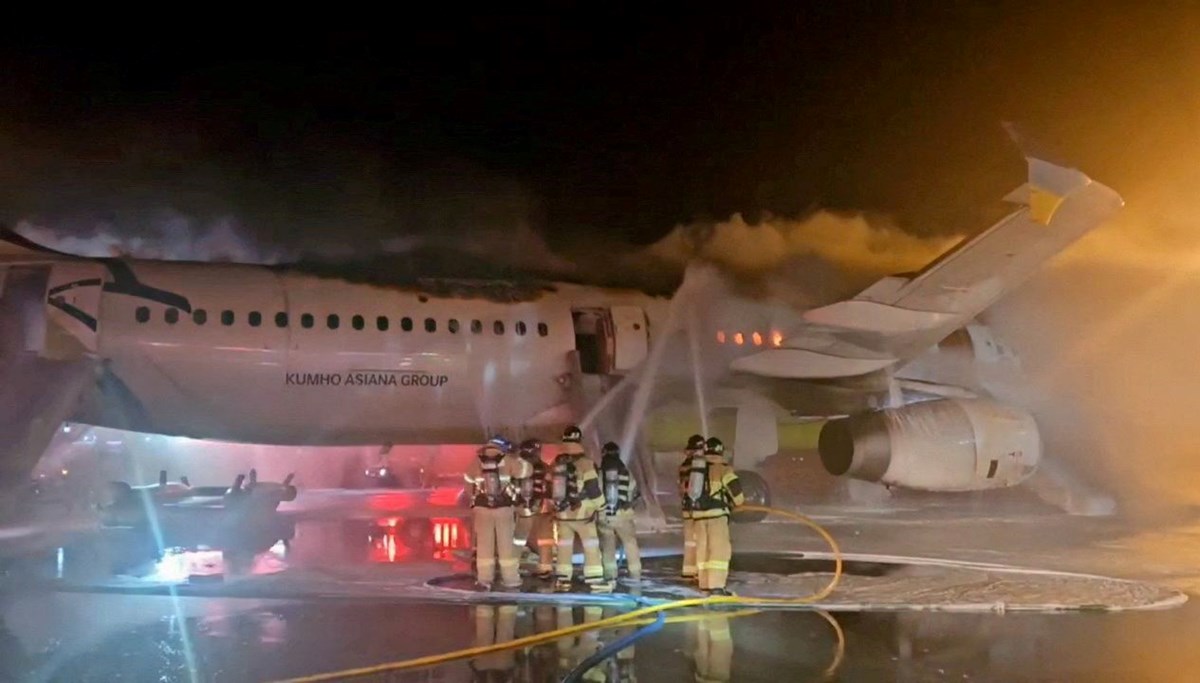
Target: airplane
298 355
132 505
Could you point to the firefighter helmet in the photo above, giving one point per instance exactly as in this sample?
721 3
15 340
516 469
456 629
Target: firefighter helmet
610 448
490 451
695 442
501 443
531 447
714 446
572 434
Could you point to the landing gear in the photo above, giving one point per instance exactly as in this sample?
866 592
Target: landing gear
757 492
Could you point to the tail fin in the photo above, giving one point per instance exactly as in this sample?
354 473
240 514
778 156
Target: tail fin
16 250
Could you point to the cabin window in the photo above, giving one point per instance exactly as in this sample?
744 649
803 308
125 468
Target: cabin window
226 318
255 318
281 319
333 321
306 320
521 327
381 323
452 326
543 329
172 315
142 314
406 324
357 322
430 325
476 327
498 327
199 316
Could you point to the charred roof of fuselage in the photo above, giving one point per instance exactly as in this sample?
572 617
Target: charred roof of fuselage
452 274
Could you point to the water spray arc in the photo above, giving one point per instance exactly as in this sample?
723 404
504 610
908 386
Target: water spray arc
697 366
681 304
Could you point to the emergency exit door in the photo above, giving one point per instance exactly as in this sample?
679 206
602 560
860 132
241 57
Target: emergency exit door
631 340
610 340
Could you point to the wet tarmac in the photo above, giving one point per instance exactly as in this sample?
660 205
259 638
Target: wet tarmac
62 620
75 637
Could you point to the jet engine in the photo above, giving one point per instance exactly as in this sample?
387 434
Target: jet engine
941 445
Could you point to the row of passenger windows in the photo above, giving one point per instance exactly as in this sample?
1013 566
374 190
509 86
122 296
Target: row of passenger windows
333 321
755 338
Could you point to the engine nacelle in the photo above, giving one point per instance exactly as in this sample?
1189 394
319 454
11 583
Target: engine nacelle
944 445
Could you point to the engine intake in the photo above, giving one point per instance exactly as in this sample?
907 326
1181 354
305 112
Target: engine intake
944 445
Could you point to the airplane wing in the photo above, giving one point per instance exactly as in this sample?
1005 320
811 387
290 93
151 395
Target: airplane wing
897 318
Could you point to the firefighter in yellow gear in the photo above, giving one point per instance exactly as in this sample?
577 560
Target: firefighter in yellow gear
535 515
695 448
575 490
492 474
713 653
616 520
715 492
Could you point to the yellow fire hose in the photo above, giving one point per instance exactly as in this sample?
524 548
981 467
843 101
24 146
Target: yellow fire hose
629 618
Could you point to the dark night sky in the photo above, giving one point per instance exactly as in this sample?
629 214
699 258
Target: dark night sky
612 125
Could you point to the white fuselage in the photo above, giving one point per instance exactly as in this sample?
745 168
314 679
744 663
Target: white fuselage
279 356
272 356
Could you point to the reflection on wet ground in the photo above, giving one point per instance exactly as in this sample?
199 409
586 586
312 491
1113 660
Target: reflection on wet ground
235 640
76 636
177 550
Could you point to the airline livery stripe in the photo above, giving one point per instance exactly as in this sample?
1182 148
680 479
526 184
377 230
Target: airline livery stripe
74 313
91 282
125 282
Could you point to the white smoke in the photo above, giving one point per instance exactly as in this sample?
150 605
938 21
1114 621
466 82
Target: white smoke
850 242
174 238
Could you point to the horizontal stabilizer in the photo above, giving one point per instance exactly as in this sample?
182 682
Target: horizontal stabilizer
15 250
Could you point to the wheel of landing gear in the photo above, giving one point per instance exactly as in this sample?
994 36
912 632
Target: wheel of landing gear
757 492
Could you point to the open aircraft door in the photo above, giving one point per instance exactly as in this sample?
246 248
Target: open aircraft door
631 340
610 341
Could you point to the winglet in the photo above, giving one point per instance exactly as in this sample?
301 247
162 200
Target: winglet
1049 182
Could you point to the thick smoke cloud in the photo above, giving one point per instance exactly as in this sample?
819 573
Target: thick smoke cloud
175 238
804 262
852 242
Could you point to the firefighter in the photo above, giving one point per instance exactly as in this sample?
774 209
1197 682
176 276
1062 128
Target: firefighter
719 493
492 474
620 493
577 496
695 449
535 518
